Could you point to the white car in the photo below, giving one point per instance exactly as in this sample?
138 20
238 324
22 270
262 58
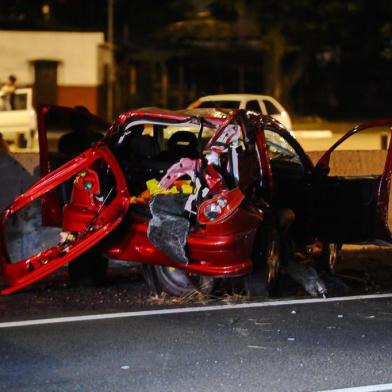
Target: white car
258 103
19 125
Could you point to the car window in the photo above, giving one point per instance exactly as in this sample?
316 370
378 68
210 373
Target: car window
253 105
279 149
148 130
20 101
271 108
220 104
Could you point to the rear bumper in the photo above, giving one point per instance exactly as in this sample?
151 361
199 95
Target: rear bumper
227 251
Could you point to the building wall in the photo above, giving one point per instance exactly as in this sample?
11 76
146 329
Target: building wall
78 54
78 95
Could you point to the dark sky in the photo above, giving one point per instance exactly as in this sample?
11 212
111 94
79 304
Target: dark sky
53 14
359 78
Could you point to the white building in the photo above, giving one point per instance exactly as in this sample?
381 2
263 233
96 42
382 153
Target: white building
64 68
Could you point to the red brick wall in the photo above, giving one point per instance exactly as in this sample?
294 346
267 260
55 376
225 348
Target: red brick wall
78 95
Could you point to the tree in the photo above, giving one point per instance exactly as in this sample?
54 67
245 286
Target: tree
291 33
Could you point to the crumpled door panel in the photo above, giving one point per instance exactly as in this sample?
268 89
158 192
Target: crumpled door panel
111 207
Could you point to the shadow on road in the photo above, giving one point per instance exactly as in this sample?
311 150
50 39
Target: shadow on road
361 271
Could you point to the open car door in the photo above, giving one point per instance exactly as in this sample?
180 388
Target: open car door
351 208
63 133
35 240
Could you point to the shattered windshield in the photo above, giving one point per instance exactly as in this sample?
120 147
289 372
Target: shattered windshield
279 149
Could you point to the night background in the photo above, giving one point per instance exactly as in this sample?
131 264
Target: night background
284 275
329 58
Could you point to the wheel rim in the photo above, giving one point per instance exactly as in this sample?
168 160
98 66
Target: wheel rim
178 277
272 262
332 256
179 282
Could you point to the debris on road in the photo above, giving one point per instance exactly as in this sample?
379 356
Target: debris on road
308 278
258 347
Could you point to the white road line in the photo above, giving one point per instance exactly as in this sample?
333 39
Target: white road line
195 309
368 388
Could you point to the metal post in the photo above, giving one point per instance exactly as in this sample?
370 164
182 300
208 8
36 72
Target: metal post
181 85
111 64
164 84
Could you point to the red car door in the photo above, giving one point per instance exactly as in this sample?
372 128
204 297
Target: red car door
353 208
99 204
62 135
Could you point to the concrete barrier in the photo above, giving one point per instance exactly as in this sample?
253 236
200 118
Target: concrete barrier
354 162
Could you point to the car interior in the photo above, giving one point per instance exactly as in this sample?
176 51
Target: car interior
146 154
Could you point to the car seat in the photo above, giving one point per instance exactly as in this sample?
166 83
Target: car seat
143 162
182 144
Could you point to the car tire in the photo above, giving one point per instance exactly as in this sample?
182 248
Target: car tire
89 269
262 281
329 258
151 279
177 282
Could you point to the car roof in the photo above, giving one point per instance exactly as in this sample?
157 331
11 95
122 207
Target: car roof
167 117
158 112
233 97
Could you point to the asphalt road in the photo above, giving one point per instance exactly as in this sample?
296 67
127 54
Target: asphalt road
362 271
292 347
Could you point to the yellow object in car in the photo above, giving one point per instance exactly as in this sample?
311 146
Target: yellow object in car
180 186
154 188
187 188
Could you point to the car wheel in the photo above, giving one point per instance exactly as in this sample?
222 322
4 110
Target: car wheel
89 269
329 258
262 281
151 279
178 282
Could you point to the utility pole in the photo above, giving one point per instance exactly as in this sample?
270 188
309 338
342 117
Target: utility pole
111 62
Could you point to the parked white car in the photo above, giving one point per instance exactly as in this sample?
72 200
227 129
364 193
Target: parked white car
258 103
19 125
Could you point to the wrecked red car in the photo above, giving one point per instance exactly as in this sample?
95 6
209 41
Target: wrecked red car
192 197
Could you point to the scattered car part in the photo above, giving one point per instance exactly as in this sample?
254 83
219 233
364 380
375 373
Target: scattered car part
308 278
